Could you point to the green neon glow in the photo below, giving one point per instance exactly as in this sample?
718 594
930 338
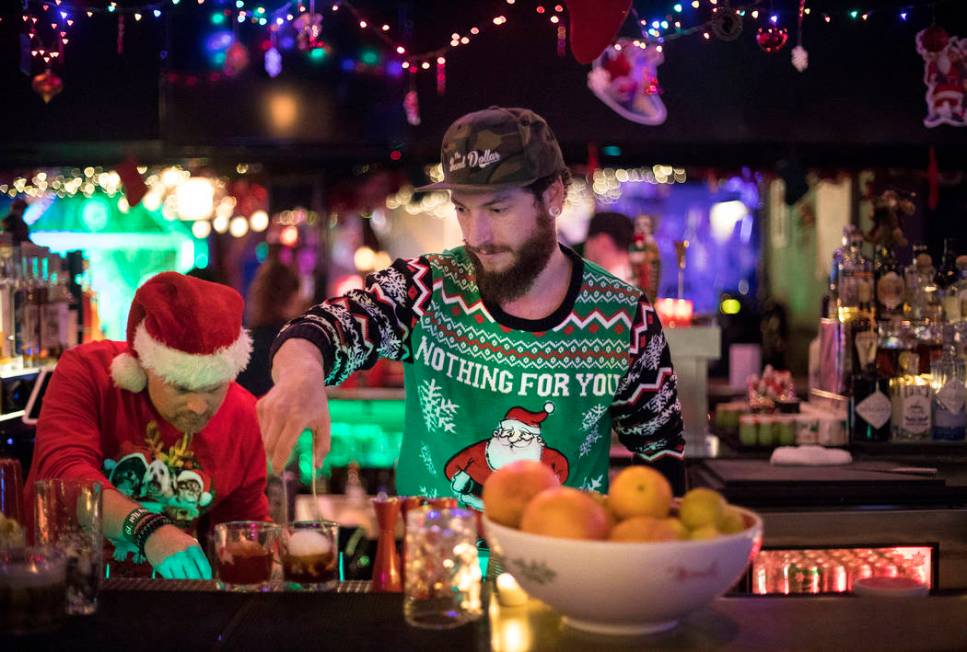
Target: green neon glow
369 57
123 249
261 251
318 54
218 18
95 214
218 59
731 307
367 432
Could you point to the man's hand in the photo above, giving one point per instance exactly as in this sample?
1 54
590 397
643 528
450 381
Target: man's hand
176 555
296 403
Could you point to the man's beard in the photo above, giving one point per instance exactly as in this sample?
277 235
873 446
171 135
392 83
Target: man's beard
530 260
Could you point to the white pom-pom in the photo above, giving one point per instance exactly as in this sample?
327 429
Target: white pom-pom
127 373
548 407
800 58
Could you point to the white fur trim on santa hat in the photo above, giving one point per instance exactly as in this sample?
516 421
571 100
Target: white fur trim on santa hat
180 368
127 373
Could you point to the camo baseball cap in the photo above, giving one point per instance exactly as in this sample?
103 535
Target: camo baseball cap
497 148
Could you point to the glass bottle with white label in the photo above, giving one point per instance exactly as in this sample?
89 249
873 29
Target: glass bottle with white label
949 418
855 290
870 407
912 419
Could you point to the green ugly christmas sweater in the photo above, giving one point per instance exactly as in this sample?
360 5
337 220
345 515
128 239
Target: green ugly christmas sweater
484 388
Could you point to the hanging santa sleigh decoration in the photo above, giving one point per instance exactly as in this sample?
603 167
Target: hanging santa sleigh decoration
945 75
625 77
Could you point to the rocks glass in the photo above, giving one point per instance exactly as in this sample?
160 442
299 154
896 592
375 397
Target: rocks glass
67 516
32 590
244 553
442 578
310 555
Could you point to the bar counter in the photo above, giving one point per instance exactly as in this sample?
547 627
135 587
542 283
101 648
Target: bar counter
170 615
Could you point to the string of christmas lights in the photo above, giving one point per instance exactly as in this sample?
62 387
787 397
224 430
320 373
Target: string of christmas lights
287 12
671 24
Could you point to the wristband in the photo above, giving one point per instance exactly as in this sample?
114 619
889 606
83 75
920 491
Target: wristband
132 521
148 527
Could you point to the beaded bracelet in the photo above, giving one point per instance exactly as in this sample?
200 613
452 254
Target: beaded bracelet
148 527
132 521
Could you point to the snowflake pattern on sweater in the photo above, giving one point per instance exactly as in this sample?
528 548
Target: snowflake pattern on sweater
484 387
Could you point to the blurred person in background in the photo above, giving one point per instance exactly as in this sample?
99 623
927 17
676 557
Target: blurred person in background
273 299
608 243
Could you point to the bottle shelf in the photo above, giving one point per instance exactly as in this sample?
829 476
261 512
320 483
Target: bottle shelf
19 373
11 416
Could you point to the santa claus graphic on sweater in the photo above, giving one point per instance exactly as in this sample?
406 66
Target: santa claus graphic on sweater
516 437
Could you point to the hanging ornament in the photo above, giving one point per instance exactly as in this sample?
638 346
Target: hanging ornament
943 58
625 78
772 40
441 75
236 60
120 34
594 23
308 27
800 58
411 104
47 85
273 62
933 39
726 23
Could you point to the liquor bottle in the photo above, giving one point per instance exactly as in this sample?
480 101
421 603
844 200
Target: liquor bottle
960 287
42 290
644 257
8 282
948 376
855 288
19 305
889 285
870 407
31 319
58 309
919 281
838 256
947 272
911 401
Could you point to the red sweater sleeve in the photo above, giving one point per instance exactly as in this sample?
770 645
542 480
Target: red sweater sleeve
248 501
68 435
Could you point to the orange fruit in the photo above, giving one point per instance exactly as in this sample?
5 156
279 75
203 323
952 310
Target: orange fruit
602 500
701 507
508 490
648 528
640 491
566 513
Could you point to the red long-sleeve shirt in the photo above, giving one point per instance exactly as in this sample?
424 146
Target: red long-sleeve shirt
91 430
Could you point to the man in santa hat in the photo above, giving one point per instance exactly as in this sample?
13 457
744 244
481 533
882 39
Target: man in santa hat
168 392
517 437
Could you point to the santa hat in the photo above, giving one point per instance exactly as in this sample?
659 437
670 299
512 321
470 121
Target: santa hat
205 494
186 330
520 419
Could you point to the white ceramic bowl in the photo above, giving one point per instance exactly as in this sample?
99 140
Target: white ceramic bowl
625 588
